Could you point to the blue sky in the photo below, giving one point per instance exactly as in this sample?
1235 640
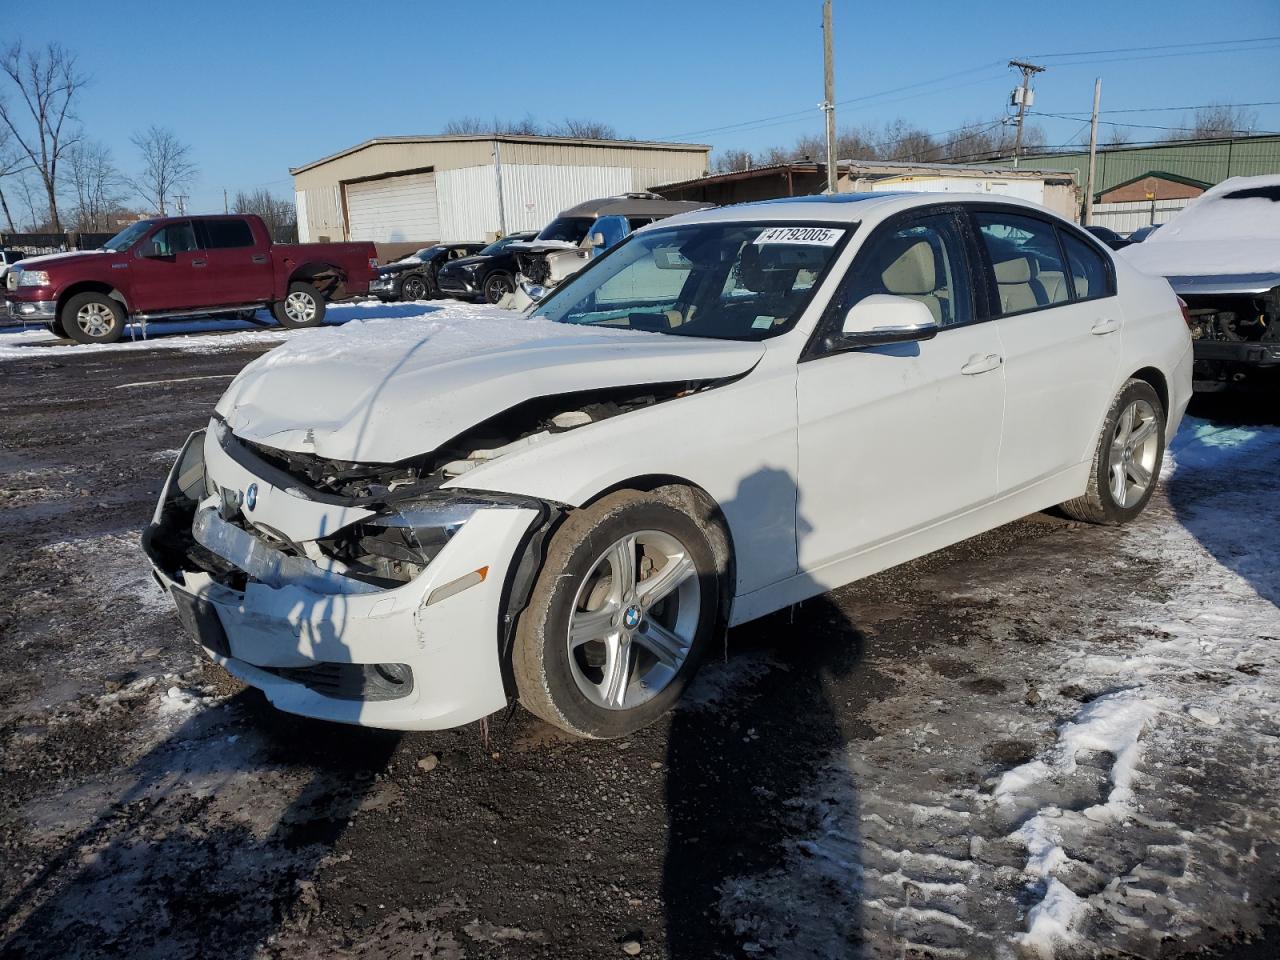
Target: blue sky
256 88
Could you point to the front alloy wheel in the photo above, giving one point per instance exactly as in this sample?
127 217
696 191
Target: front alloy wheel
622 610
634 620
414 288
497 287
92 318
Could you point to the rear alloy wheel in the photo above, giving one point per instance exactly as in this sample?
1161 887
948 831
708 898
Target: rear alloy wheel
92 318
620 615
498 286
303 306
1127 461
414 288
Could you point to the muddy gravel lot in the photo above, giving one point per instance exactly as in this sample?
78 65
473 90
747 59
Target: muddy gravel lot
1052 740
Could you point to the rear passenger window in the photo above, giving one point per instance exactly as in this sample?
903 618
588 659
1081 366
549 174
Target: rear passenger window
1089 274
223 234
1027 261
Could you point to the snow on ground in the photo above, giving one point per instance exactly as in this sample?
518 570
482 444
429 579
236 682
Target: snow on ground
1133 748
207 335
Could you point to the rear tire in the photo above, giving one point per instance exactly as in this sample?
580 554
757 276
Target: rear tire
497 286
597 652
303 306
92 318
1127 461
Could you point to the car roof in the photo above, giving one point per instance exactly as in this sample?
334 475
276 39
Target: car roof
841 207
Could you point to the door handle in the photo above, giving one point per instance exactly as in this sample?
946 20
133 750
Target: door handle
199 263
1104 326
980 364
259 258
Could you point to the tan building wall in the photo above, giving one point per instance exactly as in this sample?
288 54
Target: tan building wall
320 187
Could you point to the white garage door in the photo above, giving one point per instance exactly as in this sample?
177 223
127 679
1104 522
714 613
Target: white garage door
394 209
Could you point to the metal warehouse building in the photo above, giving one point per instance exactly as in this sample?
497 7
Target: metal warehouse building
442 188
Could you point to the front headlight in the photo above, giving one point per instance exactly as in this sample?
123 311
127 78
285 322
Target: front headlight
400 542
470 267
33 278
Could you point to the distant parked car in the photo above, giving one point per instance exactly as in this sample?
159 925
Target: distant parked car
489 275
1143 232
182 267
1109 237
1221 255
7 259
414 277
568 242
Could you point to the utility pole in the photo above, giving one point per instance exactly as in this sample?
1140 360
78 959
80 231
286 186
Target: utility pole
1023 98
829 97
1093 152
181 200
225 207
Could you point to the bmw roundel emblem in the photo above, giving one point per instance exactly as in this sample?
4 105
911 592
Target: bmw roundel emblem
251 496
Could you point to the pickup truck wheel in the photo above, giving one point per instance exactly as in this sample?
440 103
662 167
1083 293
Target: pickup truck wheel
303 306
620 615
1127 461
92 318
414 288
498 286
56 329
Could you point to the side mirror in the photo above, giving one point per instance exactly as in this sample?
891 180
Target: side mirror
597 240
882 318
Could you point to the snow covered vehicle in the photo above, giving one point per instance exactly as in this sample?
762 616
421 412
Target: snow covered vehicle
732 411
1221 255
580 233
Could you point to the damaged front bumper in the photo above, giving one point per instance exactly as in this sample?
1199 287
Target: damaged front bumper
317 640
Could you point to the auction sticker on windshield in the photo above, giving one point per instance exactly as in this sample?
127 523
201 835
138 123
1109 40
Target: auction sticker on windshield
810 236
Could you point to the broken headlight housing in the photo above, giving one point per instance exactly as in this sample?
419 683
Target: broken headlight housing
399 542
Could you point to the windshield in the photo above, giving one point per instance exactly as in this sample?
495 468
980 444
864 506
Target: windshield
571 229
499 245
127 237
729 281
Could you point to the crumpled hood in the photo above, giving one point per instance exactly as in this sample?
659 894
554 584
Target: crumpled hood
380 391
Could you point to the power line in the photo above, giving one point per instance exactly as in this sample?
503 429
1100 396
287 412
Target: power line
1152 126
1158 46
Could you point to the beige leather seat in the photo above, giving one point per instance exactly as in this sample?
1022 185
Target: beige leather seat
913 274
1020 289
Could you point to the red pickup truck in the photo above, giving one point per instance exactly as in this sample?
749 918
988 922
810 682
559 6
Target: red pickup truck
185 266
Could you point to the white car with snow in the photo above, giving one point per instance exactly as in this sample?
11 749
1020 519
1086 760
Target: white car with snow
1221 254
405 524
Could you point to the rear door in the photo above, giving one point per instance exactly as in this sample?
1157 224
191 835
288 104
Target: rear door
169 269
239 267
1060 325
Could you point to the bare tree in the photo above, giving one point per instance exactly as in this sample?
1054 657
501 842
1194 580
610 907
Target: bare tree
46 82
12 161
1217 121
167 167
1117 137
583 129
99 187
731 161
279 214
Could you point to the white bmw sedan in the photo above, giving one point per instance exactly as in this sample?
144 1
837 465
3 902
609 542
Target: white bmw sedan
405 524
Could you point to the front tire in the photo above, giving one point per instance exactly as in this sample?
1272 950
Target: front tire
92 318
57 330
621 614
303 306
414 288
1127 461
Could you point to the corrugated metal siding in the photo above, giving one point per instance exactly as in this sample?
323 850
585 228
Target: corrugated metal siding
468 203
300 209
323 212
534 193
394 209
1129 216
1211 161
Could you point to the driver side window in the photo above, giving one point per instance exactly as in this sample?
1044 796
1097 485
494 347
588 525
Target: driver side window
174 238
921 260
